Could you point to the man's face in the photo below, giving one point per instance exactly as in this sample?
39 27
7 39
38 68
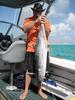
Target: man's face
37 13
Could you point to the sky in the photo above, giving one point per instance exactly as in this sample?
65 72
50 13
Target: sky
61 17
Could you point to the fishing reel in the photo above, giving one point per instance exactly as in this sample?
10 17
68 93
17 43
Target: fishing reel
5 42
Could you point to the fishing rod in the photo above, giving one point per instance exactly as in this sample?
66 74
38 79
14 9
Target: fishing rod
49 2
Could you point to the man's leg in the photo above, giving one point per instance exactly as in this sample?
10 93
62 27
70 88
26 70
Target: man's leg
41 93
28 78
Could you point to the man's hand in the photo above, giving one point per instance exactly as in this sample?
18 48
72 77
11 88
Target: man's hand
41 19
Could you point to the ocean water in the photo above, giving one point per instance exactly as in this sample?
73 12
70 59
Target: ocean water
63 51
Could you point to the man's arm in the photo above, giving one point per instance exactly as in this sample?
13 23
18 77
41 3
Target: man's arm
28 24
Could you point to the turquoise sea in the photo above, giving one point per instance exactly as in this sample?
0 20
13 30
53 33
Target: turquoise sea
63 51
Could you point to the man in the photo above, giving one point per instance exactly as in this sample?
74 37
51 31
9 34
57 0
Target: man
32 28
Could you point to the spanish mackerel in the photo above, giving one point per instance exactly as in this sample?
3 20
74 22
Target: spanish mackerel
41 53
41 48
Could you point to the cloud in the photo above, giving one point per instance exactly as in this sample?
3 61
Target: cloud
60 28
71 20
58 8
64 32
60 33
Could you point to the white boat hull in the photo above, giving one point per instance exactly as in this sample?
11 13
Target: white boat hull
63 71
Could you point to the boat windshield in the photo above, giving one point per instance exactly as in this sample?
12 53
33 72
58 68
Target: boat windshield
9 16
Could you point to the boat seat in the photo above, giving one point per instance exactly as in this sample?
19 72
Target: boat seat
14 54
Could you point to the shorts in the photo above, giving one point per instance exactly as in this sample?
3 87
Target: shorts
30 62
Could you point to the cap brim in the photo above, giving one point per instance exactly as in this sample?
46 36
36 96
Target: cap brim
38 9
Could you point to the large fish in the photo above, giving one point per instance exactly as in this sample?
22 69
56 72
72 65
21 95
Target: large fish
41 53
41 48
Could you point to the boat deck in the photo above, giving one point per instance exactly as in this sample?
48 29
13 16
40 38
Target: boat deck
14 95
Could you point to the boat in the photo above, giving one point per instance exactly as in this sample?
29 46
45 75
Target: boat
60 80
62 72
